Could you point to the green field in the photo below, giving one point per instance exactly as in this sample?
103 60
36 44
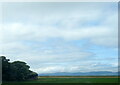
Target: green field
75 80
72 80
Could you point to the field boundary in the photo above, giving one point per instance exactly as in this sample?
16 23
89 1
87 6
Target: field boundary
79 77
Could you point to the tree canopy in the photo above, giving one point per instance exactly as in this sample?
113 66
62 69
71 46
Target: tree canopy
16 71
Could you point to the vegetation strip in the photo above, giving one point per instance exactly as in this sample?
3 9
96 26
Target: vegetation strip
78 77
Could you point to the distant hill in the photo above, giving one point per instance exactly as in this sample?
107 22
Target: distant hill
95 73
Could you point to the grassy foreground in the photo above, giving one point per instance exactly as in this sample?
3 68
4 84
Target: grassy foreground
73 80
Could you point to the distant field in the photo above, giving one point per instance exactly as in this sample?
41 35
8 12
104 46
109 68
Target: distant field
74 79
78 77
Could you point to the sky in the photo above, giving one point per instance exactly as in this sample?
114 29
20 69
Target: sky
61 36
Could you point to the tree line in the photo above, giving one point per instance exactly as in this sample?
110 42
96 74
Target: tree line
16 71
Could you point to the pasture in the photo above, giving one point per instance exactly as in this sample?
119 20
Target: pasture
73 79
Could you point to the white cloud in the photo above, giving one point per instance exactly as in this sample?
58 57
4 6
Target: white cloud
68 23
40 22
57 53
81 67
98 34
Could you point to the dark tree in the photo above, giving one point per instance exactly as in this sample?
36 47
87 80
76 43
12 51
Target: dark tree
32 75
16 71
5 68
20 70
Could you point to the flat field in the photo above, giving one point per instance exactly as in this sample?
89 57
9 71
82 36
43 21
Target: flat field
74 79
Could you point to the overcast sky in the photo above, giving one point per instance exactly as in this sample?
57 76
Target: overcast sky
61 37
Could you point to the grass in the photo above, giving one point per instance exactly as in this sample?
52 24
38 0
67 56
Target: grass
73 80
